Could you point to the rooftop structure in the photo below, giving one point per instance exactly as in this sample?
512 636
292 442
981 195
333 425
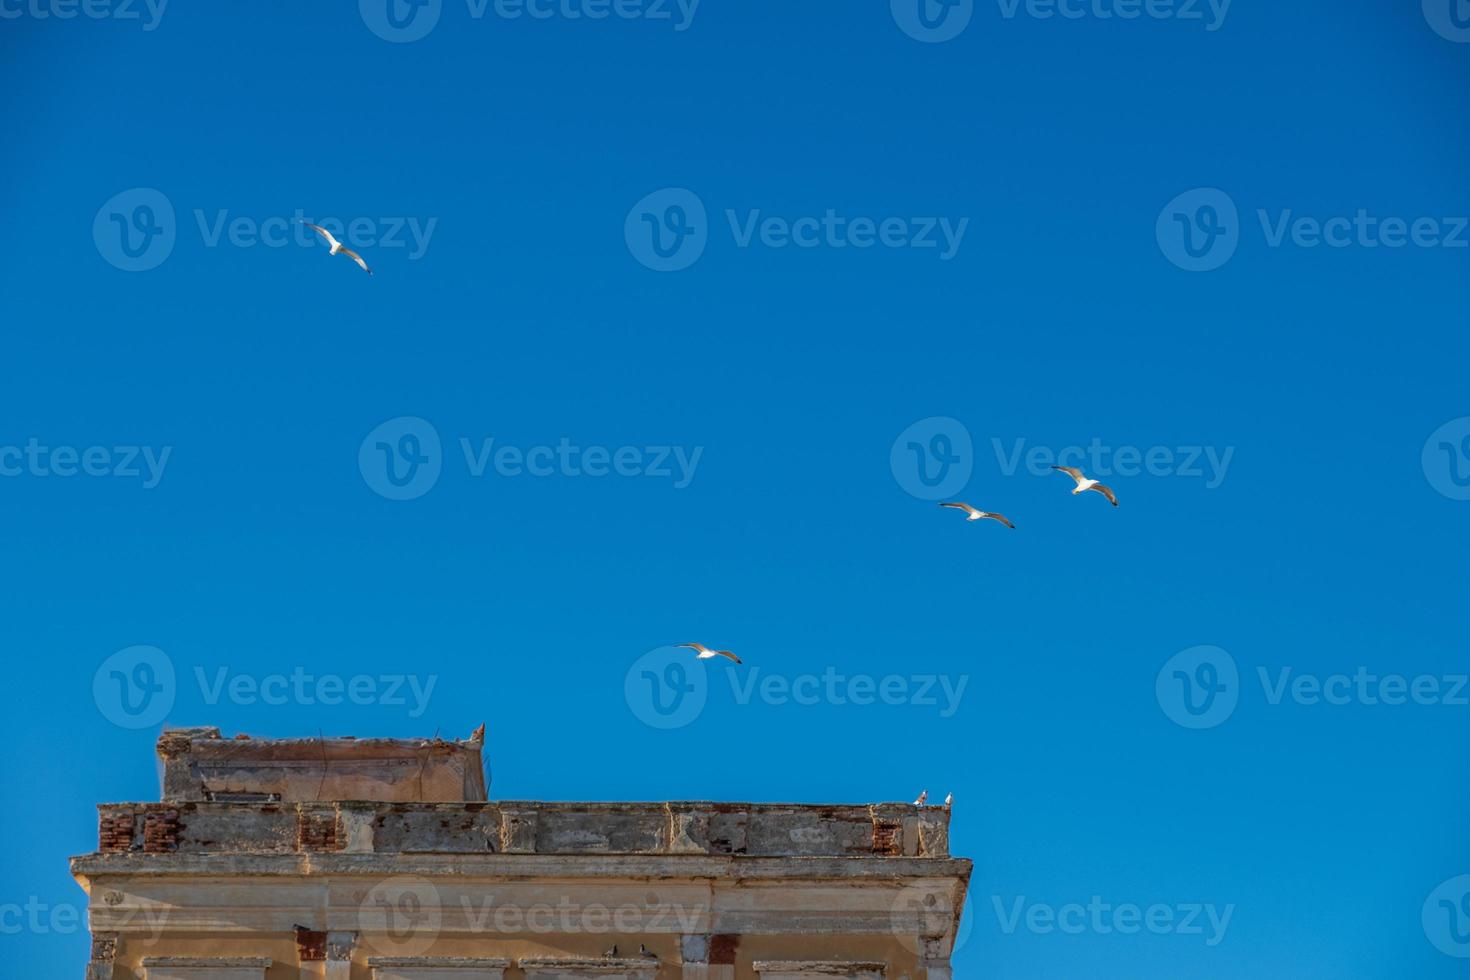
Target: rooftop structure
247 872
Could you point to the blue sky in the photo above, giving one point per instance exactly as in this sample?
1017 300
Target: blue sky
191 452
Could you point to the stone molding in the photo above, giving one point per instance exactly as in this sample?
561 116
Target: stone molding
205 967
818 969
437 968
585 968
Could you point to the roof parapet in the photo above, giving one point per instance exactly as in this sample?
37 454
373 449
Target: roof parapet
201 766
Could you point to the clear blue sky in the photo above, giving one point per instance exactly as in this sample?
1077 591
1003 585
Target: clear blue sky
531 316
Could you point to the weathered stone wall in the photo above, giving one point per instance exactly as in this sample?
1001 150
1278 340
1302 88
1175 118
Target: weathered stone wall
714 829
200 765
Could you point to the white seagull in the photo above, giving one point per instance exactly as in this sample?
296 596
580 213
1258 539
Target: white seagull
338 247
1084 483
705 653
923 798
949 800
979 515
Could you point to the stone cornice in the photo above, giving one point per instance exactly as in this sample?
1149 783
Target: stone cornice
501 866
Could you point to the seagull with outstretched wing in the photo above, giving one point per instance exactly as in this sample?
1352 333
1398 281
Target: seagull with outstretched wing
980 515
1084 484
337 247
705 653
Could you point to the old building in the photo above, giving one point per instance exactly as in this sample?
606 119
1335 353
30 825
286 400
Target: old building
380 859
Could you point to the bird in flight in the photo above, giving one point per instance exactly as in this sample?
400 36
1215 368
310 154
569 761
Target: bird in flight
923 798
1083 483
337 247
705 653
977 515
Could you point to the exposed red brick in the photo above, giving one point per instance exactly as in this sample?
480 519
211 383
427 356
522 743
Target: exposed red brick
886 838
317 831
722 950
161 831
311 946
114 832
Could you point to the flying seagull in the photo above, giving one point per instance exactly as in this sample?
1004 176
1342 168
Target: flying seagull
706 653
977 515
1083 483
338 247
923 798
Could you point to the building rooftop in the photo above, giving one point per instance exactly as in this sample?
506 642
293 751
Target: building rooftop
383 857
393 798
201 765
